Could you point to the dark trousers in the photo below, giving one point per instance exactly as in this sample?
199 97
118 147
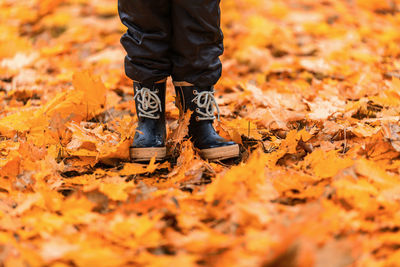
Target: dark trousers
178 38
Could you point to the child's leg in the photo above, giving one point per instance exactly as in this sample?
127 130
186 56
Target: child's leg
196 41
197 45
147 41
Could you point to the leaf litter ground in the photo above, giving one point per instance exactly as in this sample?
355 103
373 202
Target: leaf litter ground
311 90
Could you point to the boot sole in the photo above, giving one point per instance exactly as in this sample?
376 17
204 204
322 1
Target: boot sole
220 153
147 153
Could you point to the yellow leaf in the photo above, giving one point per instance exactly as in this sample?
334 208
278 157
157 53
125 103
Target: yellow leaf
326 164
115 191
133 168
94 97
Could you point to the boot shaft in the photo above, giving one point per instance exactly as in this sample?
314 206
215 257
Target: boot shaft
200 100
150 101
150 109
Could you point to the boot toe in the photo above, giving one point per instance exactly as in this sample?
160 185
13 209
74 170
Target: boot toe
220 144
144 141
147 143
213 142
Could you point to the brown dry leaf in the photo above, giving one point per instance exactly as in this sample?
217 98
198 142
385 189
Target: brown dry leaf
182 130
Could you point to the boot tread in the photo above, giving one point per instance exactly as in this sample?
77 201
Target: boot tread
146 154
220 153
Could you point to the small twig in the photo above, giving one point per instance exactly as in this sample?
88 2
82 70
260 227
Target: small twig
345 141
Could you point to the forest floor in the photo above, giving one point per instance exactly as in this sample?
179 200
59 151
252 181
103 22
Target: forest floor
311 91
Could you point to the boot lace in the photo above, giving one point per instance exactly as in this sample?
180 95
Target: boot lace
149 103
205 100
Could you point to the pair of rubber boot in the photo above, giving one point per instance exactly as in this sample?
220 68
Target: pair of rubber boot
150 136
